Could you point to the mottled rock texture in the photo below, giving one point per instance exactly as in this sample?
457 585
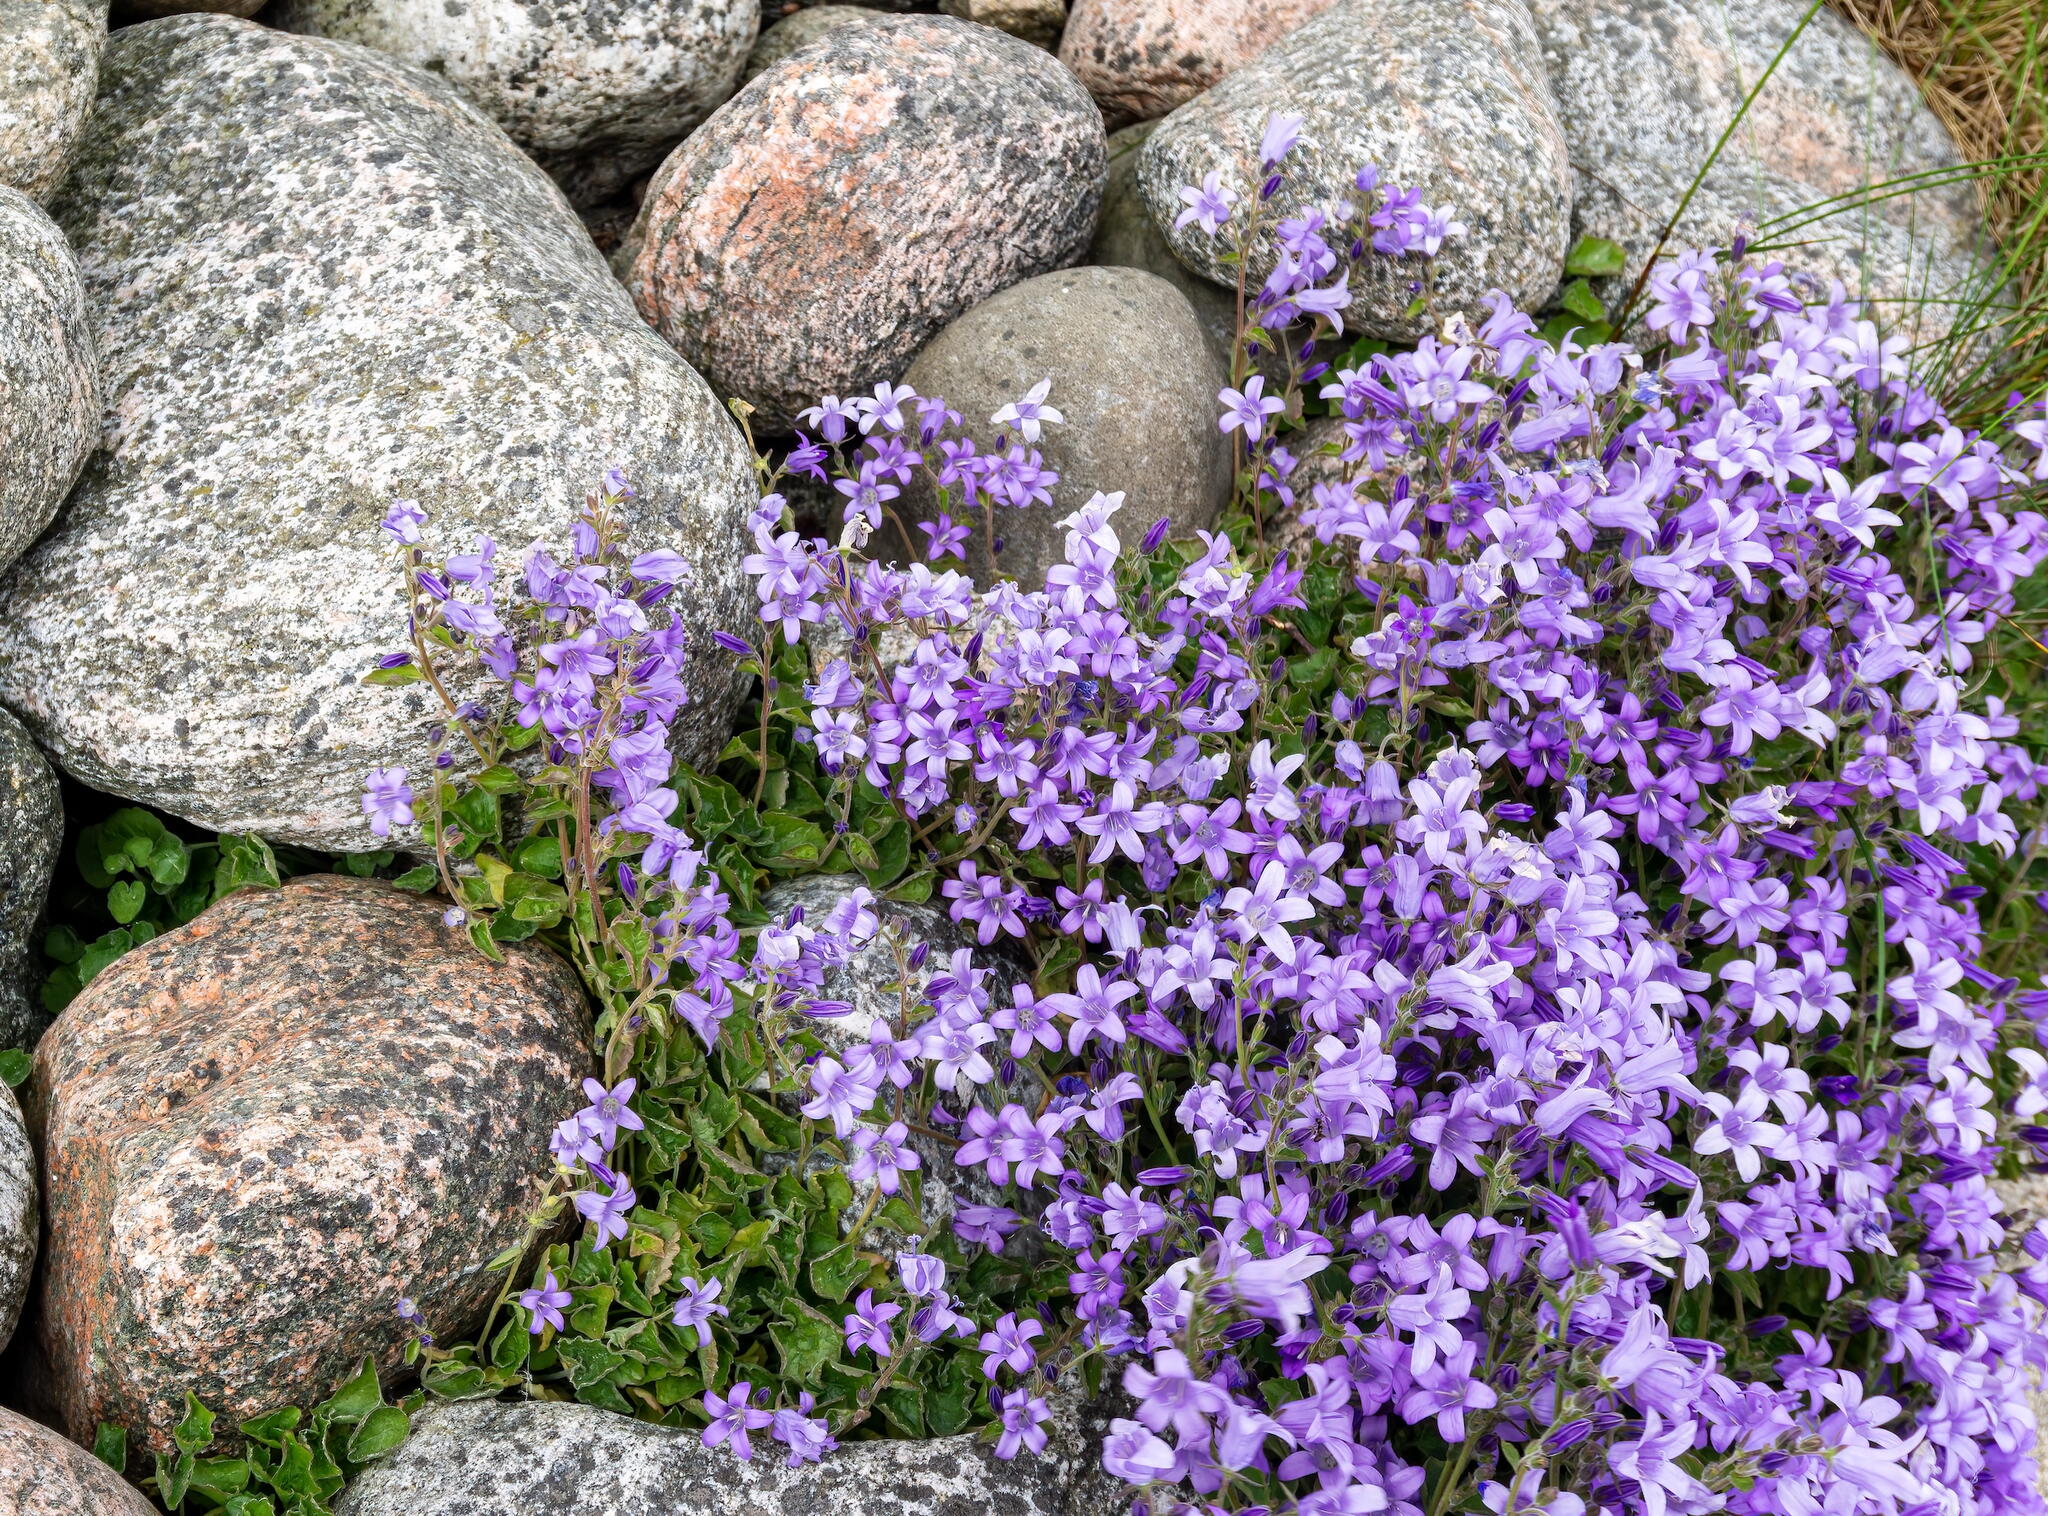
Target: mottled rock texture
1141 58
1126 236
1646 87
1135 376
49 376
18 1217
31 832
811 236
260 1130
43 1475
554 1459
1036 21
597 90
49 59
1447 96
126 11
794 31
319 279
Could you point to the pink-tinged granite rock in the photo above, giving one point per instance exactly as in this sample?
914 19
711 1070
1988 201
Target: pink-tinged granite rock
856 197
261 1130
1445 96
49 62
1141 58
43 1475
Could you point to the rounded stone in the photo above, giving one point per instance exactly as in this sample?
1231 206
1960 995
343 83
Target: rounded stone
127 11
49 376
43 1475
1135 377
49 61
318 280
1038 22
1142 58
17 1214
799 29
1645 88
856 197
262 1129
31 833
597 91
543 1458
1445 96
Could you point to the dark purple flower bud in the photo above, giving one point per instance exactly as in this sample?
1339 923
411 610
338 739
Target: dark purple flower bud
1395 1165
1763 1326
1162 1178
628 885
731 643
1570 1435
394 660
1155 534
1270 188
918 955
1243 1331
1516 811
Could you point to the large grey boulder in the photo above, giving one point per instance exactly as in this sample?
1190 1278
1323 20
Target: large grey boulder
1141 58
43 1475
49 376
1447 96
49 62
1126 236
814 234
1135 377
800 29
1645 88
17 1213
549 1458
597 90
31 831
320 279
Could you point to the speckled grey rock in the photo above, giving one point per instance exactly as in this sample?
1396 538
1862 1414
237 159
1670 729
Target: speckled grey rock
1038 22
1135 377
1141 58
31 832
1127 237
17 1213
853 199
554 1459
49 60
126 11
799 29
597 90
49 376
1447 96
1646 87
320 279
43 1475
259 1130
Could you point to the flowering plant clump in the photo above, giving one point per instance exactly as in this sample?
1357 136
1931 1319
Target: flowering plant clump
1503 1003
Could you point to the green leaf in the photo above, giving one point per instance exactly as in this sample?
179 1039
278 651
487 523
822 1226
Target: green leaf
790 840
476 812
220 1477
587 1362
1595 258
270 1430
418 880
244 859
498 780
360 1396
126 899
110 1446
861 851
405 673
509 1348
381 1431
480 939
103 952
915 890
806 1338
892 854
835 1275
167 865
195 1432
1579 299
62 945
14 1067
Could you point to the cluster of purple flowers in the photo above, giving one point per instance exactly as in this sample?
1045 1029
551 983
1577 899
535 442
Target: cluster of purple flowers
1592 957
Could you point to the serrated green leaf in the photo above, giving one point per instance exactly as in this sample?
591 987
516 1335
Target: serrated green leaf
270 1430
806 1338
586 1362
497 779
837 1274
381 1431
195 1432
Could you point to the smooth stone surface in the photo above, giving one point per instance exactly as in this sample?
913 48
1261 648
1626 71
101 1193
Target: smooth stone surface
318 280
1142 58
49 374
542 1458
31 833
1127 237
43 1475
260 1130
598 91
1038 22
18 1215
1135 377
852 200
1646 87
49 62
1447 96
798 30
